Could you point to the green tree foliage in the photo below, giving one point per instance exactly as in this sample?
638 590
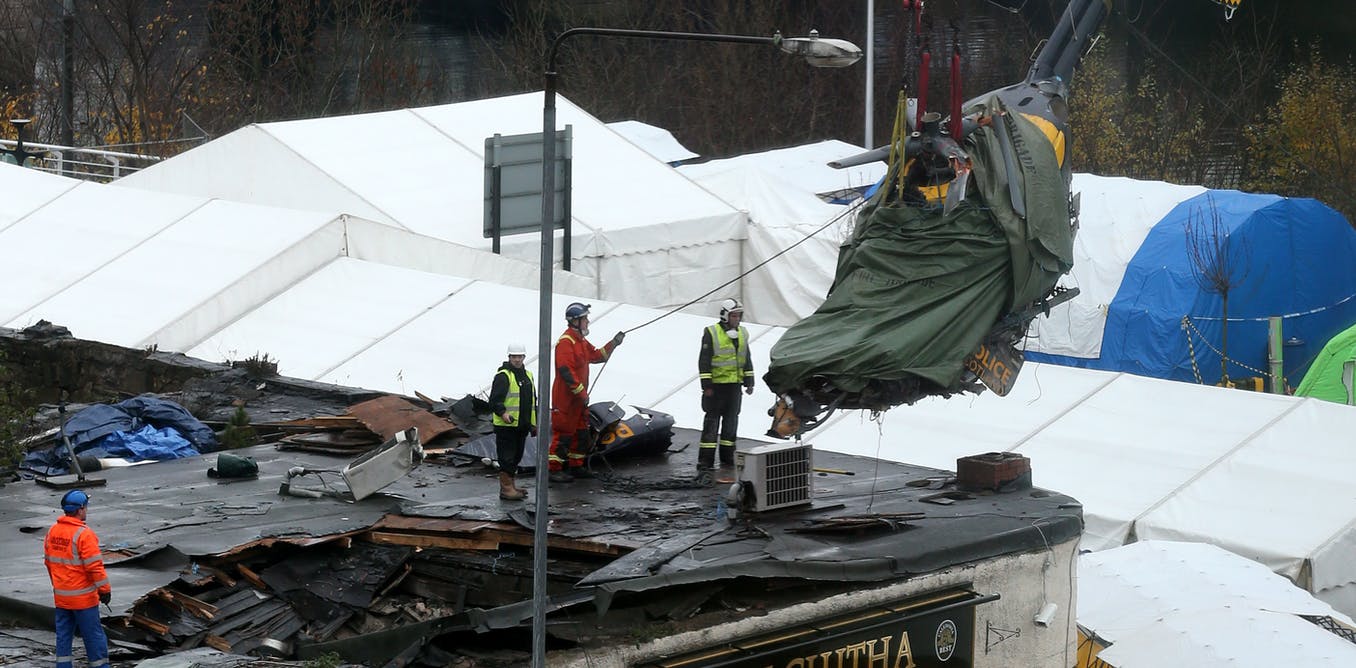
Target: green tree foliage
1142 130
1306 144
239 433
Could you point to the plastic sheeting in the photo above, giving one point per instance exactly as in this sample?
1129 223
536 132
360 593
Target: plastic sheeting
143 427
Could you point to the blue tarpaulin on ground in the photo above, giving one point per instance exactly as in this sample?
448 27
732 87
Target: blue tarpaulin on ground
144 443
143 427
1294 259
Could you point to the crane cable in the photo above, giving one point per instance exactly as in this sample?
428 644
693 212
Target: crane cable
849 210
752 269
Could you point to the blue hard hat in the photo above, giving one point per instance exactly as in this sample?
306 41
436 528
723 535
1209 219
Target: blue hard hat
74 500
576 310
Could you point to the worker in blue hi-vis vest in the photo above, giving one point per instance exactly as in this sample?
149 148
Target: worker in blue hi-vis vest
723 365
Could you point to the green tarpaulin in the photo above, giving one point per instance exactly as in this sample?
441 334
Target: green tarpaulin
916 291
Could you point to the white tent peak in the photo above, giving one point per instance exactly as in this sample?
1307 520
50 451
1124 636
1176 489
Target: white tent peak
424 169
654 140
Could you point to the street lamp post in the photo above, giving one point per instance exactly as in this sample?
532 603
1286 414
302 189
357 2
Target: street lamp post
818 52
868 92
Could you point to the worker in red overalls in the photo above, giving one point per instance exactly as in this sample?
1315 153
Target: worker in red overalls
79 582
570 395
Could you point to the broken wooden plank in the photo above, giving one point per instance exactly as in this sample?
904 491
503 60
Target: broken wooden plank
250 576
495 533
150 624
221 576
198 608
314 423
430 540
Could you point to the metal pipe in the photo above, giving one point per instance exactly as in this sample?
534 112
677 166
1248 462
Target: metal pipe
548 201
868 141
1276 355
1081 40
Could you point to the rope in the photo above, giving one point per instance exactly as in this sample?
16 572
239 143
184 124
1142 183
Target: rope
1188 325
1191 349
703 296
756 267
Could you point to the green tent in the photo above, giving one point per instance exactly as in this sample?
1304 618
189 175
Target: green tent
1324 379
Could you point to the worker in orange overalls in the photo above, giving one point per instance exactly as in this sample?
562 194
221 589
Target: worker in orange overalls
570 395
79 583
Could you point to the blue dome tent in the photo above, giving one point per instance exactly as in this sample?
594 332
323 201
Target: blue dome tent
1293 257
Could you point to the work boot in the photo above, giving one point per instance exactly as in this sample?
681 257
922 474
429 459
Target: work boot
727 453
581 472
706 459
507 491
560 476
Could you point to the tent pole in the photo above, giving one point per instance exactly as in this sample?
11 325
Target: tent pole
1275 355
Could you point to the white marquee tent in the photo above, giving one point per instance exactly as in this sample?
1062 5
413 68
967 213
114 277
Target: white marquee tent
1157 603
656 141
643 232
138 268
780 191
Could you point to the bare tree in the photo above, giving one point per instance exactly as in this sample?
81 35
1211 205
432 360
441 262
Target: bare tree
276 59
1219 264
139 66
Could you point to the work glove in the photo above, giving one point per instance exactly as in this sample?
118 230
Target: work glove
105 597
748 389
534 431
618 338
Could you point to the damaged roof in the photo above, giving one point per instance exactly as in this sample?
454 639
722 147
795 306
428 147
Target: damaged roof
644 524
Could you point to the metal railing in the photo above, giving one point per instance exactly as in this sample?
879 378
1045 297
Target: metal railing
94 164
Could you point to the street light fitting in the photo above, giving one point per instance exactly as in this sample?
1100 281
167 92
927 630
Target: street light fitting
817 51
820 52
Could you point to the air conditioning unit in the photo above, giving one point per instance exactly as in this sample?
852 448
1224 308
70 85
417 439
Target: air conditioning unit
775 476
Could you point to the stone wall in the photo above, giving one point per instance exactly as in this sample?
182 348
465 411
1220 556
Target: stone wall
45 359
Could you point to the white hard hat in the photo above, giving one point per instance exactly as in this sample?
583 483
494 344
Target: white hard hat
517 349
730 305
